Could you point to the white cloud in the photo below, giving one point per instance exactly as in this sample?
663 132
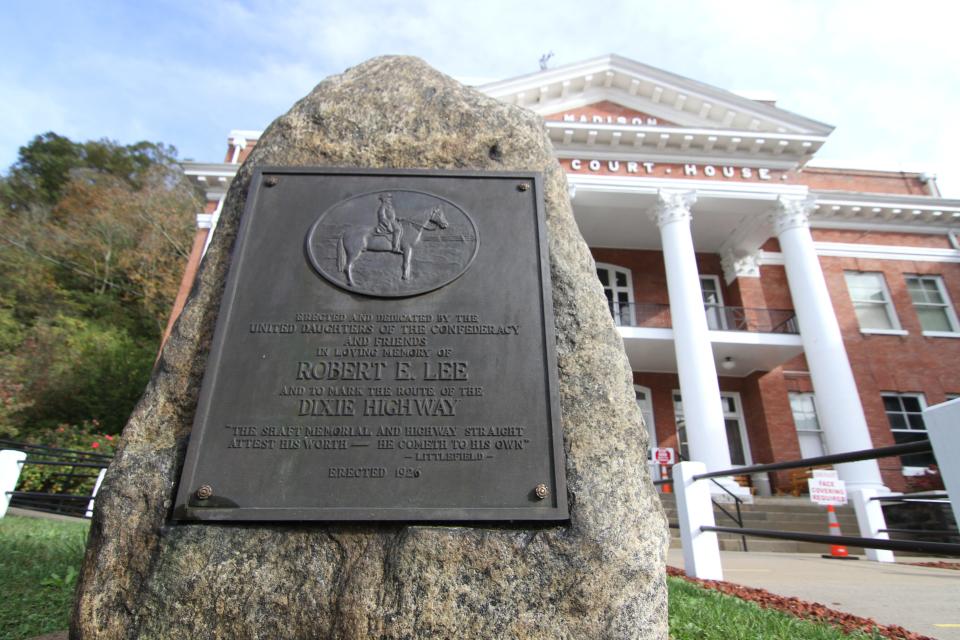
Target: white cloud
882 72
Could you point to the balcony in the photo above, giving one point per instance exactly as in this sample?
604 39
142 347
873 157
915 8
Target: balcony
743 340
719 318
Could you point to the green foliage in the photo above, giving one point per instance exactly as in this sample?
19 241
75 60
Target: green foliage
93 240
79 369
39 563
701 614
48 163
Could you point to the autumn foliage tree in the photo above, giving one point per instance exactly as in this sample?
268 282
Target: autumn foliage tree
93 240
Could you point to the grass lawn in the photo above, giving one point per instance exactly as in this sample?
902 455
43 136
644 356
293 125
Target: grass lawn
701 614
39 561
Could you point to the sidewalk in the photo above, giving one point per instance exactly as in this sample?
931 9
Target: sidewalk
921 599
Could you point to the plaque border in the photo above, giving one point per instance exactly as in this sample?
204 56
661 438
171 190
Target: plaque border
186 477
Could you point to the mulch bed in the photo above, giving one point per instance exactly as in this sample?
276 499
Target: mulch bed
938 565
803 609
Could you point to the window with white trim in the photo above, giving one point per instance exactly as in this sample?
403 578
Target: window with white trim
905 414
645 403
871 301
932 304
809 433
712 302
618 287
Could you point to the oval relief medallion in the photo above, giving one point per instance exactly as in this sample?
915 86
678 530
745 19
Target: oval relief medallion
392 243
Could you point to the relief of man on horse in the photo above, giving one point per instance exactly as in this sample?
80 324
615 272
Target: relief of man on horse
391 234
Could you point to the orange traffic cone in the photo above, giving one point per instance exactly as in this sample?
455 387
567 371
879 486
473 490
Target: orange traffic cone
667 488
837 551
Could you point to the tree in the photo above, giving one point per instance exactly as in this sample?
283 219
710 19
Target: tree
93 239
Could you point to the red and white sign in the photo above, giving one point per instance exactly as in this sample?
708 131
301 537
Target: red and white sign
827 490
663 455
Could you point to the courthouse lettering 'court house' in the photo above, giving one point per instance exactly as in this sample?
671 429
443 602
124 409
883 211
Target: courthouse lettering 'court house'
772 306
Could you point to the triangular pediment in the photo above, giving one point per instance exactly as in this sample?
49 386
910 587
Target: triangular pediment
666 96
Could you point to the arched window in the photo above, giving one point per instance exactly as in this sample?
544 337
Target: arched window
618 287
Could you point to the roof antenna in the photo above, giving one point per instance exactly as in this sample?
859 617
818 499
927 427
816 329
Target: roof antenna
545 60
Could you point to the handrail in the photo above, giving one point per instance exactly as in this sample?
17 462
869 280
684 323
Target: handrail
44 450
64 473
944 548
736 501
931 496
921 446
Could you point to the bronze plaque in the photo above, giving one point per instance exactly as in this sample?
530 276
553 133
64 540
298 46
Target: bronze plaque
384 351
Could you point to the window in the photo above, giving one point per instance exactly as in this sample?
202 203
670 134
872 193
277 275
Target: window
871 301
905 414
712 301
809 432
618 287
732 419
645 402
932 304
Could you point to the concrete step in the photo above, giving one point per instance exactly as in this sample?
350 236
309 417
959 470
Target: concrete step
773 514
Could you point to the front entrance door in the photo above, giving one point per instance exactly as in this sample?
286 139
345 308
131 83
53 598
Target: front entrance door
733 420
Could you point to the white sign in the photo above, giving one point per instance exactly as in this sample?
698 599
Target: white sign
663 455
825 473
827 491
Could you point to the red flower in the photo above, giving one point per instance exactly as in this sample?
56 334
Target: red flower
95 445
110 438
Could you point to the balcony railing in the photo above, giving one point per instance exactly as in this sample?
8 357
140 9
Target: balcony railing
718 318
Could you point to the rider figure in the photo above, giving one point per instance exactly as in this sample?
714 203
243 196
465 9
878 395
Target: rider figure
387 221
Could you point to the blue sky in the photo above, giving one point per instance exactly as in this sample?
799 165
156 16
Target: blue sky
185 73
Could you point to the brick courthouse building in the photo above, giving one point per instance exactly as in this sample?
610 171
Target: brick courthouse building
771 308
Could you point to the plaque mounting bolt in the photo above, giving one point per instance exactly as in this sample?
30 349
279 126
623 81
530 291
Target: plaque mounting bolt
541 491
272 181
523 186
204 492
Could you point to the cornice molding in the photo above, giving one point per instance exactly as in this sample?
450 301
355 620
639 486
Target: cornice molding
870 252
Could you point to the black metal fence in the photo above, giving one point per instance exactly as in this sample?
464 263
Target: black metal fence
54 480
920 546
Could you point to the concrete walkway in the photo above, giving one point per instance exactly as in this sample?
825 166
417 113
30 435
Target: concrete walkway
921 599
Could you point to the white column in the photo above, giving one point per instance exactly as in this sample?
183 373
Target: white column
702 411
93 494
838 401
701 549
10 464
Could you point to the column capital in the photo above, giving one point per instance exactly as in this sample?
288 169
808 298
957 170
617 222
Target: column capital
672 206
791 213
739 265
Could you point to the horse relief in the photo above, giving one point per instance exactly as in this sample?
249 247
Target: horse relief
392 243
